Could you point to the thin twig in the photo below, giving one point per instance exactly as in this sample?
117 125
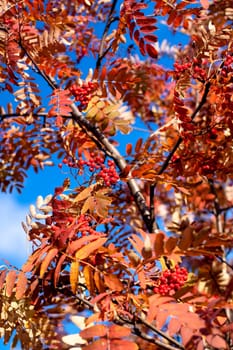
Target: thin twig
162 334
109 21
216 206
180 139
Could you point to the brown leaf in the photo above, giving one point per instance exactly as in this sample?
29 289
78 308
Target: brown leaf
159 244
186 238
113 282
171 244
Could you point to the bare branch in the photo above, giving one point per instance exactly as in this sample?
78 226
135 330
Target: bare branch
102 53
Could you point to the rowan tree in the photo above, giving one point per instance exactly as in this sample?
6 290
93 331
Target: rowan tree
135 246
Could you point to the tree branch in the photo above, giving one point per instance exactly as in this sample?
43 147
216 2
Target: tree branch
99 138
180 139
137 331
102 53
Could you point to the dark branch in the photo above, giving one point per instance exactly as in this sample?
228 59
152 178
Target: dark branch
102 53
180 139
94 132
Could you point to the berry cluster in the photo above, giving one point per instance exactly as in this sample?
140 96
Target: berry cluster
228 60
195 68
83 93
96 163
228 66
109 174
85 227
180 68
171 280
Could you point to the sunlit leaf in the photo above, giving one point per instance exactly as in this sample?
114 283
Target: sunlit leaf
88 249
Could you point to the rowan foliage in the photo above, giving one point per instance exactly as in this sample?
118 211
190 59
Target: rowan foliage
134 247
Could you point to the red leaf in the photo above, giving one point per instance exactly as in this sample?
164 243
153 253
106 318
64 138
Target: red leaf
138 145
131 28
129 148
151 38
142 46
152 52
136 36
146 21
148 29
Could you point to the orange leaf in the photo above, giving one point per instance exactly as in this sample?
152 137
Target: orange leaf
142 279
75 245
83 194
94 331
100 344
99 282
129 148
47 260
21 285
2 278
58 269
74 272
116 331
174 326
121 344
10 282
159 244
88 249
113 282
88 275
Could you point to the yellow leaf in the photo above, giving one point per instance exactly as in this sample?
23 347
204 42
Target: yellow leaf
88 275
74 271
